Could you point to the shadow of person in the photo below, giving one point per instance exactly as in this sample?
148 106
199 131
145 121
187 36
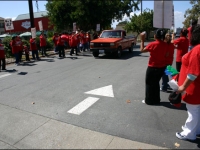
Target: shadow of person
10 71
168 105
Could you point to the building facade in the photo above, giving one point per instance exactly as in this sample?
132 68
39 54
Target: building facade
22 23
2 29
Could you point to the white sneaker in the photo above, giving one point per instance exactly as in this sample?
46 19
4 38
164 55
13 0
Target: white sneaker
143 101
181 137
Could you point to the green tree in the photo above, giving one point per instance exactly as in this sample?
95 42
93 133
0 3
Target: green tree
88 13
192 13
141 22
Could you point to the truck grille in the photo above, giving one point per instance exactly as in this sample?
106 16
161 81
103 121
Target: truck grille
101 44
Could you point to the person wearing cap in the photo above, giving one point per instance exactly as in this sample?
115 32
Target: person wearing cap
2 57
43 44
189 81
190 30
182 45
156 66
15 49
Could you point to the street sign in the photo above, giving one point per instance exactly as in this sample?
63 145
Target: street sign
163 17
8 24
33 32
98 27
40 25
74 26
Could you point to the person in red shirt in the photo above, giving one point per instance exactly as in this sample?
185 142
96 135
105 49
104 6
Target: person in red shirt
169 60
61 46
2 57
73 42
55 39
15 49
190 30
43 44
182 45
26 51
88 39
189 81
33 48
156 66
20 47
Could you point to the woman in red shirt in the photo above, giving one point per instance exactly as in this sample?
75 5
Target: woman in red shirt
169 60
189 81
2 57
43 44
15 49
182 45
156 66
33 48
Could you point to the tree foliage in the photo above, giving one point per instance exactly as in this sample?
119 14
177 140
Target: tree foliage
88 13
192 13
141 22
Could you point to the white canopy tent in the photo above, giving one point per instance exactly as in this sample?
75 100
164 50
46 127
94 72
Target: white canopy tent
25 34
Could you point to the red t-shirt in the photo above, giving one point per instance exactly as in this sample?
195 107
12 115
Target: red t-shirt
14 47
83 38
73 40
65 37
55 39
33 45
191 65
189 34
182 47
19 44
170 54
88 37
2 51
157 51
42 40
60 41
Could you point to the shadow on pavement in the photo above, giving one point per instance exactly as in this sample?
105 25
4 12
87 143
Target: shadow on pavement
11 71
47 60
22 73
27 64
168 105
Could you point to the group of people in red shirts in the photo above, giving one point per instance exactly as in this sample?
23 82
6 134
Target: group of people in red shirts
18 48
187 63
78 41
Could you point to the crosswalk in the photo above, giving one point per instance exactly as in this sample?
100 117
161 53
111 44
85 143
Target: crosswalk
5 75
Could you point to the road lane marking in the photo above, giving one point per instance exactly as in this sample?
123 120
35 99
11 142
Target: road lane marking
82 106
103 91
5 75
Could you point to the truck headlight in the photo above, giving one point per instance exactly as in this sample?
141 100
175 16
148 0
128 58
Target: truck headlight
112 44
92 44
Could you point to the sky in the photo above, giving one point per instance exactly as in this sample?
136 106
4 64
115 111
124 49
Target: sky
11 9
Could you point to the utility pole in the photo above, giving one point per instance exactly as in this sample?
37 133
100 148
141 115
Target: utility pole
30 3
141 6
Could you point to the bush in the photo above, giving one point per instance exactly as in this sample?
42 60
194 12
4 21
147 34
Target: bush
8 49
50 43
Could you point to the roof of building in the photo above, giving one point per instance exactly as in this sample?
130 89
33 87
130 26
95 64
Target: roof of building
1 18
35 14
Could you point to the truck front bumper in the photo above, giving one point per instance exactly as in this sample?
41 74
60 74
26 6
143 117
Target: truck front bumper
103 50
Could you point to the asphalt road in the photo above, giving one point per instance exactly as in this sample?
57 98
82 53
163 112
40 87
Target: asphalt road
55 86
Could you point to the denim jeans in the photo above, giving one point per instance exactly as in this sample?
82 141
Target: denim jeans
16 58
165 80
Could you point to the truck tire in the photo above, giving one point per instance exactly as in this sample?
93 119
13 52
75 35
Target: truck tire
95 54
119 52
131 48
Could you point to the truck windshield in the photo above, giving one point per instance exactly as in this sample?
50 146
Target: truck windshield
111 34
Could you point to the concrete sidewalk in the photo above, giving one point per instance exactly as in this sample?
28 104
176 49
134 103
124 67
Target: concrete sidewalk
23 130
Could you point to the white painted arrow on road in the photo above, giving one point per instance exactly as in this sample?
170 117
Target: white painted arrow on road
103 91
